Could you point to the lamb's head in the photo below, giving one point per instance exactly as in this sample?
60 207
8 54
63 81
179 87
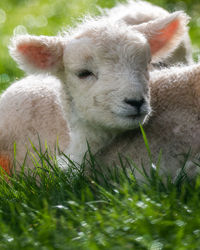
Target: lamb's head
107 77
103 66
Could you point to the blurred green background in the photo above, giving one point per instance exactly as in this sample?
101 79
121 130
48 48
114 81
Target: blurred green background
47 17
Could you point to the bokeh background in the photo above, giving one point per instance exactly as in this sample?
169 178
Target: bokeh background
48 17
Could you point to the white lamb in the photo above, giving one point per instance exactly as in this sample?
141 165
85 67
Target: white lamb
174 127
103 68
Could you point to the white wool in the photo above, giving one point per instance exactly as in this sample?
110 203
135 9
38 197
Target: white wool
32 109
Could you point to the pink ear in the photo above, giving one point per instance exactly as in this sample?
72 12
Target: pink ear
164 34
37 54
160 40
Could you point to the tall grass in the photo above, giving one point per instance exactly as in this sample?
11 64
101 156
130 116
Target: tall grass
51 209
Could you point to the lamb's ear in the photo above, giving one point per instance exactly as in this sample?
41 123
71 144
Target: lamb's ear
165 34
37 54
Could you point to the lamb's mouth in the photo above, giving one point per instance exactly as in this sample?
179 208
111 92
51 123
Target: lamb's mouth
135 116
139 116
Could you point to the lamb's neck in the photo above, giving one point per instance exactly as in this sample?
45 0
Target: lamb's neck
81 135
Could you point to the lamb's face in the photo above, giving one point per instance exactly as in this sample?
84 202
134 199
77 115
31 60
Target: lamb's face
107 79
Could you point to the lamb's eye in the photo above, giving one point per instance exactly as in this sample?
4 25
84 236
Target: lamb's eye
84 74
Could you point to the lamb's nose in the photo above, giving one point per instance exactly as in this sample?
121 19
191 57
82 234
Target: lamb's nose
135 103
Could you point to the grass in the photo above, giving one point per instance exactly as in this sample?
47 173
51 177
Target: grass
54 210
49 209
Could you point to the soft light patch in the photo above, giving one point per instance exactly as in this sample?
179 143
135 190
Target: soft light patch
5 163
158 41
38 54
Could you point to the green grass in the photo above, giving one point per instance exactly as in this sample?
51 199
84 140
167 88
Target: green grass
72 211
49 209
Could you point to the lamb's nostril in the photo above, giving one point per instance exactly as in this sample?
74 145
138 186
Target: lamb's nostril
135 103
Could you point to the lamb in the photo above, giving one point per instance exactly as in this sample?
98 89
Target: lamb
97 105
173 128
